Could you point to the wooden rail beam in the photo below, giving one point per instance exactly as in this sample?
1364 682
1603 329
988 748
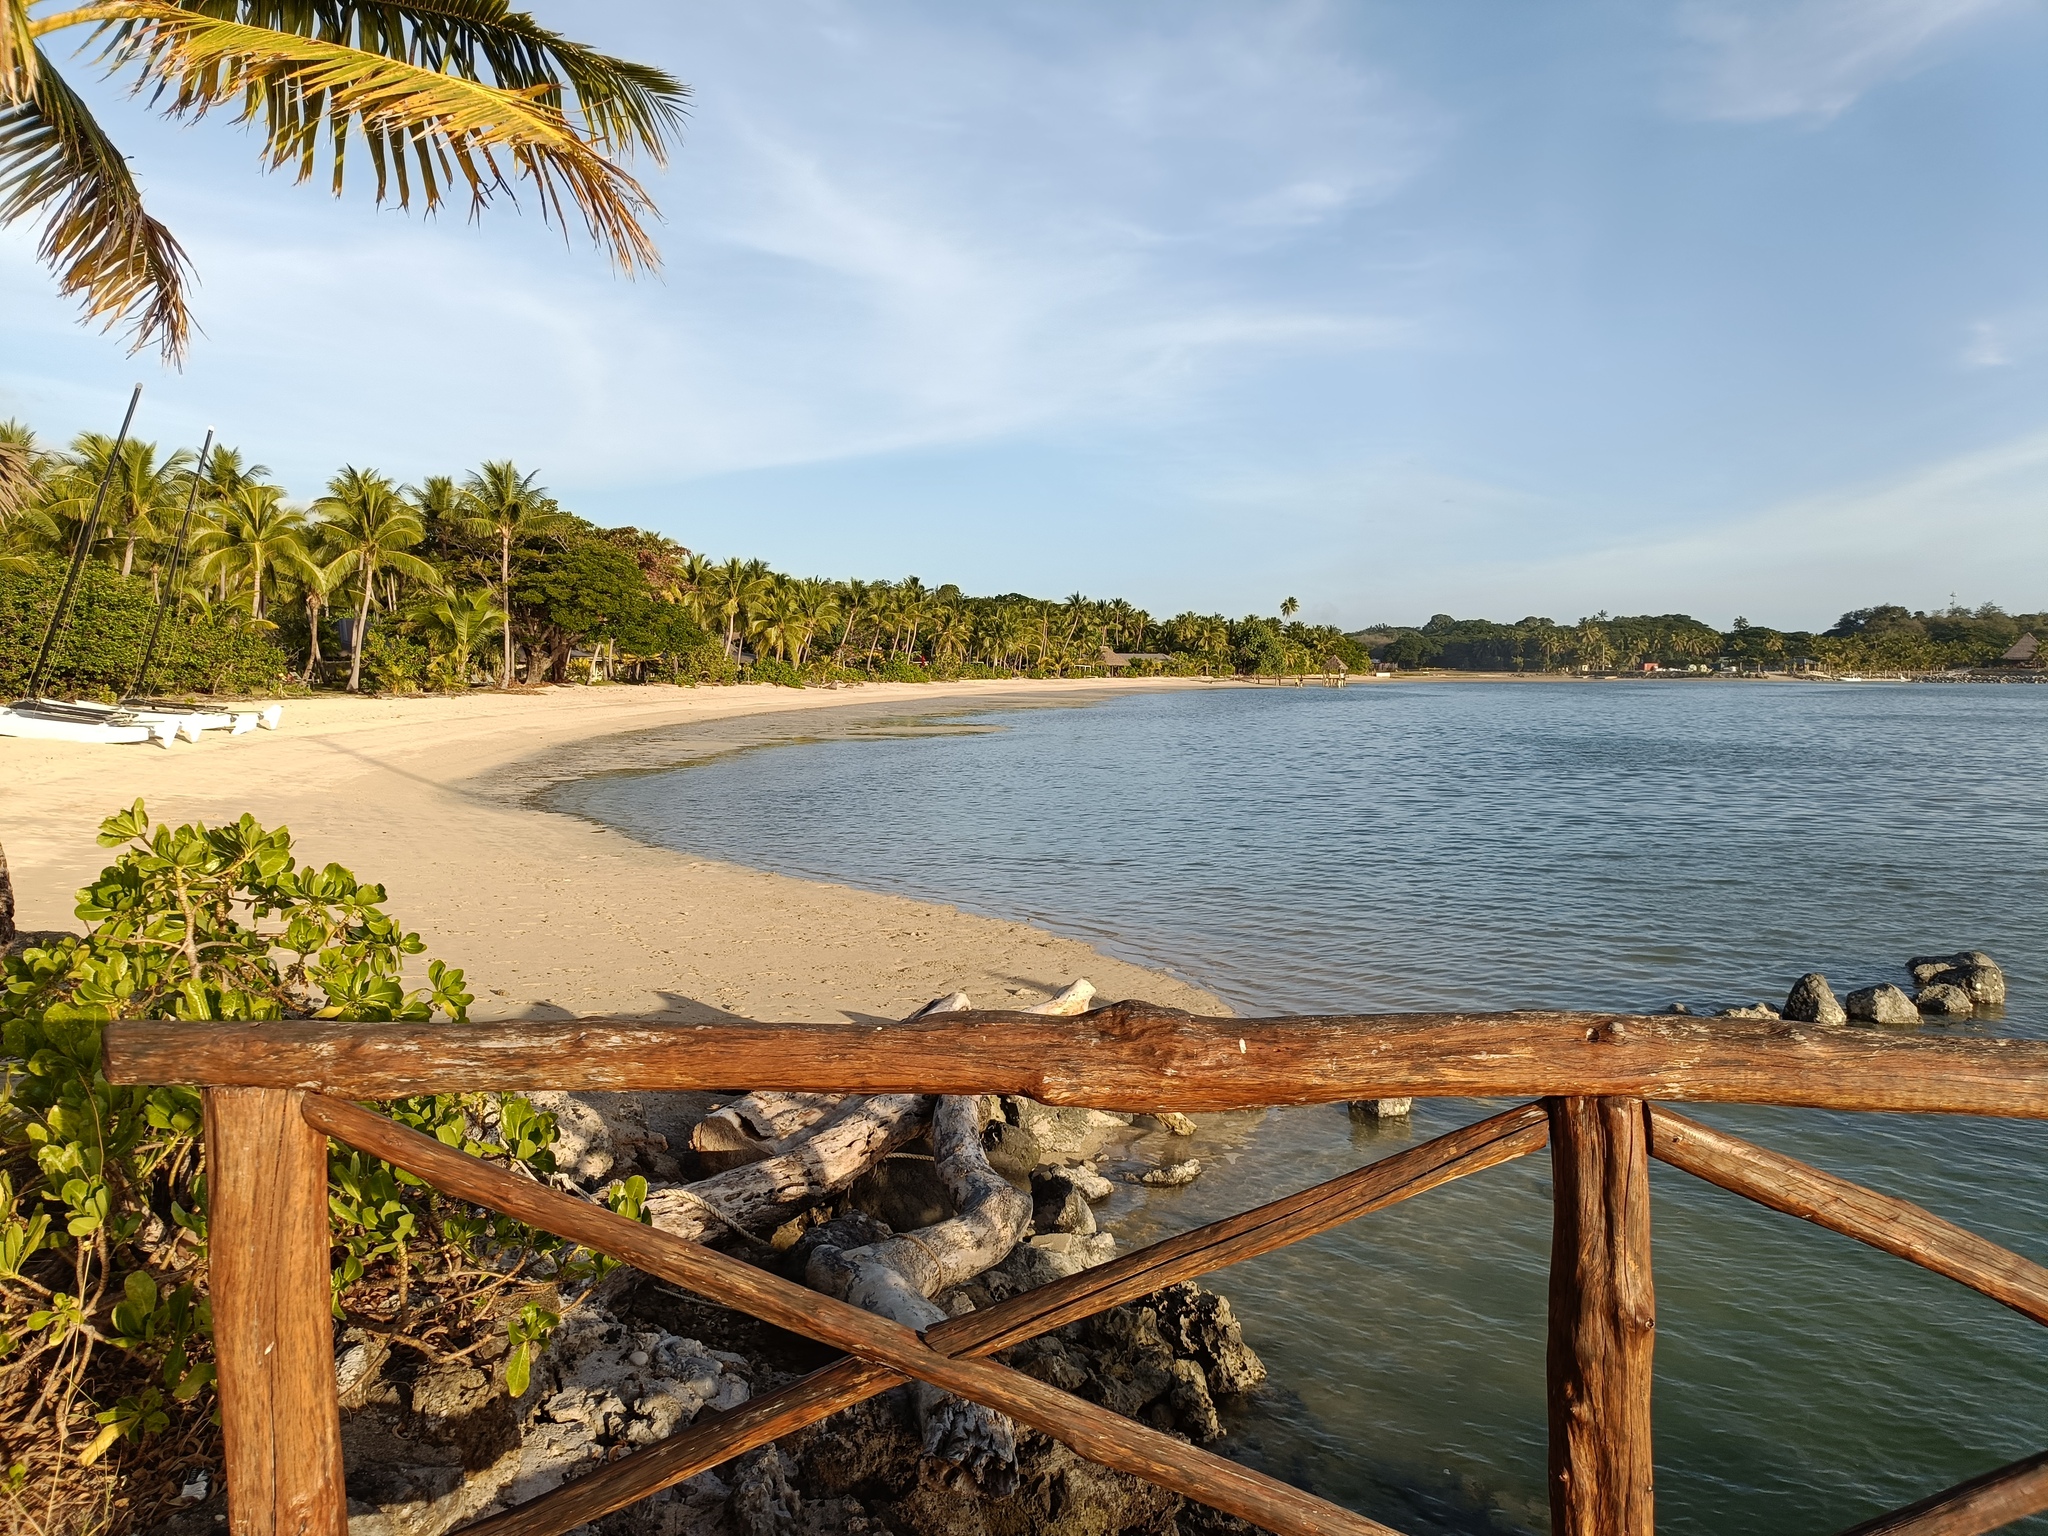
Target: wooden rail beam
273 1338
1603 1317
1986 1503
715 1439
1883 1221
1087 1427
1127 1056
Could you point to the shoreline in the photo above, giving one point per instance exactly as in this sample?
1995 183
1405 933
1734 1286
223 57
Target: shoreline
549 914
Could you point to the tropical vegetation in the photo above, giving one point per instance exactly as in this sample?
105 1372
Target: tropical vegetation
105 1348
1888 638
484 579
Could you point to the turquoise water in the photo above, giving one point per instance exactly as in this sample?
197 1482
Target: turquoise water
1489 846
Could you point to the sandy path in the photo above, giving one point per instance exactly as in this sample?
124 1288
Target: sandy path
550 915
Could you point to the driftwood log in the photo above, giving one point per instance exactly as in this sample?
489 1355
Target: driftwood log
787 1150
759 1126
755 1196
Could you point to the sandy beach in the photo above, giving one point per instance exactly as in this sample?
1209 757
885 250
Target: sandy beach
550 915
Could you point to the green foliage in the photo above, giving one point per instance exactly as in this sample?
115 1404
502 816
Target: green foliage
769 669
900 669
102 644
102 1225
394 662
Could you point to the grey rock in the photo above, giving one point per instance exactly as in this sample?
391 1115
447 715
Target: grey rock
1200 1325
1173 1175
1169 1121
1012 1151
1882 1004
1813 1001
1944 1000
1381 1109
1057 1205
1752 1011
1093 1186
1061 1132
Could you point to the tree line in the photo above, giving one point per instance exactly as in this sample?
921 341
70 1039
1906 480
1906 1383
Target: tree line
1887 638
484 579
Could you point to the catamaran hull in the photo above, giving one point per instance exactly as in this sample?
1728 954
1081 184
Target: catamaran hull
38 728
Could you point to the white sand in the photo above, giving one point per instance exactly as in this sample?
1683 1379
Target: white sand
550 915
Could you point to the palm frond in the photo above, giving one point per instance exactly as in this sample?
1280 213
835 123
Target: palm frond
625 107
417 121
18 62
56 164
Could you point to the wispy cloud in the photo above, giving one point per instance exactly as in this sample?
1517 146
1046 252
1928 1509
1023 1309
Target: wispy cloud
1756 60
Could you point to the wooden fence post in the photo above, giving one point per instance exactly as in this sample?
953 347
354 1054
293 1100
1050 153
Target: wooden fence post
266 1180
1603 1319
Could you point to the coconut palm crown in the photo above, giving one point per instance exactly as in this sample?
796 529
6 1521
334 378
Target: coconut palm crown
446 98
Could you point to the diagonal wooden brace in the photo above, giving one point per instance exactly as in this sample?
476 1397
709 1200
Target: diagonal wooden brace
1086 1427
717 1439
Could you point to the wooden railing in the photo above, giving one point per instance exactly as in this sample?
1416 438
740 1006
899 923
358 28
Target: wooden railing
275 1093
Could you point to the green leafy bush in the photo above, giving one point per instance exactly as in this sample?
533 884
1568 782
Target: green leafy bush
900 669
102 1225
770 669
394 662
102 644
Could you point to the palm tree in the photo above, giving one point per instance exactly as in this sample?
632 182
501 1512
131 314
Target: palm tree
459 623
139 492
737 589
256 532
24 525
498 502
369 527
444 98
1289 608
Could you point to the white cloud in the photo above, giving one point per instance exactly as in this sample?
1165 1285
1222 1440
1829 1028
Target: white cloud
1758 60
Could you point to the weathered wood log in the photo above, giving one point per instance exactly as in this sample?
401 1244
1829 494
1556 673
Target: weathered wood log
1987 1503
1883 1221
755 1196
758 1126
273 1339
716 1439
1088 1428
1603 1317
897 1277
1128 1056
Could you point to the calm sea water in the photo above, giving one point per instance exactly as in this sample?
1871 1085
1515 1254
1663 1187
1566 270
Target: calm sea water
1489 846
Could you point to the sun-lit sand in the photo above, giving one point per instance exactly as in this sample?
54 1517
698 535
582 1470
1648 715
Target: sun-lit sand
550 915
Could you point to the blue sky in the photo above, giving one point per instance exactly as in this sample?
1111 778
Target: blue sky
1719 305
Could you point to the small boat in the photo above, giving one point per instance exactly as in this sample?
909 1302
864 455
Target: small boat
1850 677
235 722
31 723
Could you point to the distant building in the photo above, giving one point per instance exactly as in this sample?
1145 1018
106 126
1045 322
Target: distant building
2025 652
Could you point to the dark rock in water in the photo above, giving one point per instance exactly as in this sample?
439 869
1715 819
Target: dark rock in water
1882 1004
1012 1151
1199 1325
1812 1001
1381 1109
1057 1205
1985 984
1928 969
1944 1000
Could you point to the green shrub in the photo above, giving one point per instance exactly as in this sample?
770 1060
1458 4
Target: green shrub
102 1225
771 669
394 662
103 640
900 669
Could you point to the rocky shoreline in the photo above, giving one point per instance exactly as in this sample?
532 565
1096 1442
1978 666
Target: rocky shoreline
433 1445
1962 985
